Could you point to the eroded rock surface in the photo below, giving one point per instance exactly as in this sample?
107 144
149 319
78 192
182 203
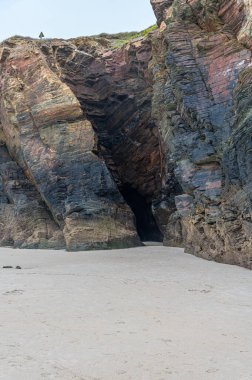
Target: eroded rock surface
54 144
202 70
105 143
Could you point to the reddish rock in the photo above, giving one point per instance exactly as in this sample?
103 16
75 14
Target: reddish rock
54 144
161 8
103 142
201 68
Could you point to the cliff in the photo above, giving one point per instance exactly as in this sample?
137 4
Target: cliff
108 141
202 73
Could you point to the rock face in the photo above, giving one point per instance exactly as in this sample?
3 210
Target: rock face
53 145
160 8
202 74
106 143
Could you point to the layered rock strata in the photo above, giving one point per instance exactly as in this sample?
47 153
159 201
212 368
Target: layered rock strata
54 145
202 70
105 142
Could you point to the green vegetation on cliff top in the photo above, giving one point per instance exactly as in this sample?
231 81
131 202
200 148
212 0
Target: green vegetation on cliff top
121 39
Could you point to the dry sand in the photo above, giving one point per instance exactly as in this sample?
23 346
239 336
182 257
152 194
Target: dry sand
148 313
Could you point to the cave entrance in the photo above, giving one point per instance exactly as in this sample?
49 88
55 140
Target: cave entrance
145 223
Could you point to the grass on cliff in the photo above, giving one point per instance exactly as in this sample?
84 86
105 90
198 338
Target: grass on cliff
120 39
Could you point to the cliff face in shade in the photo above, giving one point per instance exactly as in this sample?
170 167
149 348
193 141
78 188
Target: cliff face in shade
105 143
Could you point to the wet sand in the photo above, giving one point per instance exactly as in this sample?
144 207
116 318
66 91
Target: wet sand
150 313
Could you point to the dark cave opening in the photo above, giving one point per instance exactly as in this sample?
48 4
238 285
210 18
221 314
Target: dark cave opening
146 225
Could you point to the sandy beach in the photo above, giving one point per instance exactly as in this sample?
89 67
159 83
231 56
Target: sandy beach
150 313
